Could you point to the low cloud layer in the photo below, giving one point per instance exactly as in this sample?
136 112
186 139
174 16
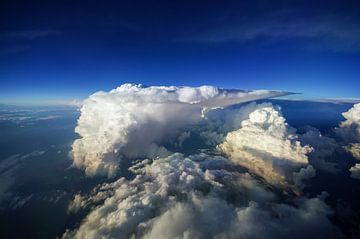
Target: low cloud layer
132 120
8 167
197 197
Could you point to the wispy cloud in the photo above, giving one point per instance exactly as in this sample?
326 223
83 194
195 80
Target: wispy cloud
311 31
340 100
28 34
19 41
14 49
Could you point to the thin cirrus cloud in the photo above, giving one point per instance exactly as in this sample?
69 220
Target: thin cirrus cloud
18 41
28 34
319 30
8 168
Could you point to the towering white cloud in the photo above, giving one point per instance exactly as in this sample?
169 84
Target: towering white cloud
349 130
268 146
132 120
219 122
355 171
198 196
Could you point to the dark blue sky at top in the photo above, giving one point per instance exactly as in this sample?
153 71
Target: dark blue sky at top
65 49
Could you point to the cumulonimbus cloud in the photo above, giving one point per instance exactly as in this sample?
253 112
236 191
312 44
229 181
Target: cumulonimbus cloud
350 128
349 131
131 120
201 195
269 147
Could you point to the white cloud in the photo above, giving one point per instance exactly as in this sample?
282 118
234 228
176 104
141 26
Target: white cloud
219 122
267 146
352 116
136 202
355 171
350 128
132 120
76 204
176 197
283 221
349 131
197 196
323 148
354 149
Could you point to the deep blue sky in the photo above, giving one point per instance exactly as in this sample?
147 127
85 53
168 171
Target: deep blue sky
65 49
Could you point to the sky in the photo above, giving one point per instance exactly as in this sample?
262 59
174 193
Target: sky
60 50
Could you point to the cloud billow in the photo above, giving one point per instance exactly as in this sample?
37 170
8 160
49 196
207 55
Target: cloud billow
177 197
269 147
131 120
249 181
349 131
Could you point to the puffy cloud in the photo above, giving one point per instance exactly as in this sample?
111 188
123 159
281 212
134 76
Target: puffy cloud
182 137
354 149
136 202
76 204
267 146
202 218
352 116
198 197
201 195
350 128
284 221
303 174
323 148
219 122
131 120
355 171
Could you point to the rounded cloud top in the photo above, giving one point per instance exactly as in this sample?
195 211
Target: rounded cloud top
133 120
